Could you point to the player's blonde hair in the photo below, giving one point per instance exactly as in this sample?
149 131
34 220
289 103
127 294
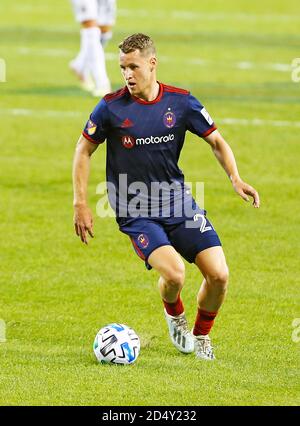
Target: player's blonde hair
140 42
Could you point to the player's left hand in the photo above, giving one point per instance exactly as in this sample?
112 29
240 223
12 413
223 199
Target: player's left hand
243 189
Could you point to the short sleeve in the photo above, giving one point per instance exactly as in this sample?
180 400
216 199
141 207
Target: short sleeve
198 119
96 128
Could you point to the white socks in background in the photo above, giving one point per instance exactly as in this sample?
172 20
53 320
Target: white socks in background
90 61
105 37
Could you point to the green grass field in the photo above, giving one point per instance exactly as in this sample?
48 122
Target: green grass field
56 293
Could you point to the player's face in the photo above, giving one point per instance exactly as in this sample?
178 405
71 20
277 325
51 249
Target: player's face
138 71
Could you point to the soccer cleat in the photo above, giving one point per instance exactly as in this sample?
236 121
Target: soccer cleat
203 347
179 333
86 82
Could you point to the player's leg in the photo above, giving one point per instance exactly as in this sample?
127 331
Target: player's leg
106 34
106 19
90 60
152 245
106 10
212 264
97 65
167 262
197 241
84 12
80 65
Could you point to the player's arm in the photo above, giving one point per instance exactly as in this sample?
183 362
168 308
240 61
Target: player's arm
225 156
83 219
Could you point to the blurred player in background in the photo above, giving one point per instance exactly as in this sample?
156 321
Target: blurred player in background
97 18
144 125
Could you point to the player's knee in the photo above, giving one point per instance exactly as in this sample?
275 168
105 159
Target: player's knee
105 29
89 24
175 276
219 278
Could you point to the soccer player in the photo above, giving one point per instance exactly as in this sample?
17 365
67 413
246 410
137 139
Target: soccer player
96 18
144 125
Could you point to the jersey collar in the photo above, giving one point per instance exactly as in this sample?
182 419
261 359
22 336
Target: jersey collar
157 99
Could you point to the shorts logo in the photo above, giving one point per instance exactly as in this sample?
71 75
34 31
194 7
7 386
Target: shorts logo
128 142
143 241
169 119
91 128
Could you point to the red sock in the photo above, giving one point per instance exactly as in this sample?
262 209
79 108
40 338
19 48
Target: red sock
175 308
204 322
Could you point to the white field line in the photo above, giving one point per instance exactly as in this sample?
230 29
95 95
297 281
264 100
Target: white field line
258 122
43 52
184 15
187 15
245 65
22 112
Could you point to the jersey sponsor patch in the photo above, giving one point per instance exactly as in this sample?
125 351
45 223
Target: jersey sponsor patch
91 128
207 116
128 142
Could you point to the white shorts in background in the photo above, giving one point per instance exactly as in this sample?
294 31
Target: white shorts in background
85 10
102 11
107 12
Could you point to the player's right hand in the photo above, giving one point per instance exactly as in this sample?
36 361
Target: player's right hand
243 189
83 222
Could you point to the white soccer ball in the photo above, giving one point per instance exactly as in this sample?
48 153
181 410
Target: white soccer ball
116 344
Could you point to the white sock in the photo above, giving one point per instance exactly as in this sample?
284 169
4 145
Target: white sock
96 58
105 37
80 63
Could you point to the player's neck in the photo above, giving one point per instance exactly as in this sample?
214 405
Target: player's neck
151 93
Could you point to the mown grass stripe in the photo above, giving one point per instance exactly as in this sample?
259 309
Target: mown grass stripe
22 112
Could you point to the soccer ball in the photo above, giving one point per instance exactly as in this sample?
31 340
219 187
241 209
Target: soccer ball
116 344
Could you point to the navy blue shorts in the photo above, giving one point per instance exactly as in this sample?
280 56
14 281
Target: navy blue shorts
188 238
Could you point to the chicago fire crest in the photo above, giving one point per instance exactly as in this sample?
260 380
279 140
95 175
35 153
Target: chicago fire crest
169 119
